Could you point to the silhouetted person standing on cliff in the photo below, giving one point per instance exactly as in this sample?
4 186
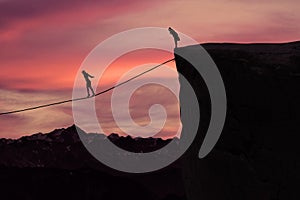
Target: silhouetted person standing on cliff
88 83
175 36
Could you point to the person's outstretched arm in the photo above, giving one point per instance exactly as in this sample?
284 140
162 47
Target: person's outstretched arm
90 76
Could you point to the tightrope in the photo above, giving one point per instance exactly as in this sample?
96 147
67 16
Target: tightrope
83 98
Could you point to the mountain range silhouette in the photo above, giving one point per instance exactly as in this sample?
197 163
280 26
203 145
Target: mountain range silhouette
57 164
62 148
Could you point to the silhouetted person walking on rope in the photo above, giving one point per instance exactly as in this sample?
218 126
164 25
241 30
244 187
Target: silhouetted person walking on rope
88 83
175 36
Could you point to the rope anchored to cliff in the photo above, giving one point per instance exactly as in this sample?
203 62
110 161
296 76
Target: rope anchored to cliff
83 98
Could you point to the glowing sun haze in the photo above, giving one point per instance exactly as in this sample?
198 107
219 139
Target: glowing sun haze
43 43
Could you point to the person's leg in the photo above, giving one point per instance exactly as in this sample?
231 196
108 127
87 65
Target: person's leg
92 90
88 92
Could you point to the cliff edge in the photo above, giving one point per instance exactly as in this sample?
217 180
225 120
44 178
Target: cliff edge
257 155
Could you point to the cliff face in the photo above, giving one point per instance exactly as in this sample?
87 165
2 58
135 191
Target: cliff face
257 155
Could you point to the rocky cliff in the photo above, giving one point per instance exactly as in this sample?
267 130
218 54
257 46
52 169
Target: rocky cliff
257 155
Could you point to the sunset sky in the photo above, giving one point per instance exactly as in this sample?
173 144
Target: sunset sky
43 44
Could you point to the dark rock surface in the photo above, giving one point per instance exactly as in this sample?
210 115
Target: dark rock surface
56 165
257 155
138 145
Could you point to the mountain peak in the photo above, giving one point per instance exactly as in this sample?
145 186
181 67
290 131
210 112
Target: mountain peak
62 148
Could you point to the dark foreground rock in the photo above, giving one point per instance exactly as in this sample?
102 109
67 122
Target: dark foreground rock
257 155
56 165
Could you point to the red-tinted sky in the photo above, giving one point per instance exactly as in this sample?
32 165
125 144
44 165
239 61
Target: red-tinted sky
44 42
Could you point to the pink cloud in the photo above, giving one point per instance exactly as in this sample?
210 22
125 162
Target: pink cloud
44 42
